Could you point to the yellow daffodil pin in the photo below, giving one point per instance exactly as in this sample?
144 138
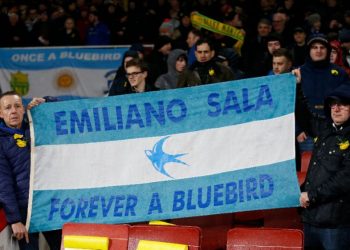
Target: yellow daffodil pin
211 72
19 141
334 72
344 145
315 139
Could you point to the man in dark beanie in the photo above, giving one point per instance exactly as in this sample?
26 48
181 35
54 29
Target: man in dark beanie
157 59
325 194
318 79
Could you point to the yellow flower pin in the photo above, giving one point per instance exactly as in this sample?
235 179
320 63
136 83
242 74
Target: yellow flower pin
211 72
315 139
334 72
17 136
344 145
21 143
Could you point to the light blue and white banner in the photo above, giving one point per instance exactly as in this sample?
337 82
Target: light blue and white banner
204 150
68 72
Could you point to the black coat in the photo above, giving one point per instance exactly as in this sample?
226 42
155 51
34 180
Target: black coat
328 180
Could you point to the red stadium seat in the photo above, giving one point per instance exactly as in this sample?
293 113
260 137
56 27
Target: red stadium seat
3 222
264 238
117 234
187 235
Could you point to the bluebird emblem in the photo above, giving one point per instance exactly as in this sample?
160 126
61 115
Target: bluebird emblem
159 158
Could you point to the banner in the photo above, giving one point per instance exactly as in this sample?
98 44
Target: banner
209 149
202 21
67 72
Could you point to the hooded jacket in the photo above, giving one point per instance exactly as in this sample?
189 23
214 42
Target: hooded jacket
14 171
319 79
169 80
328 177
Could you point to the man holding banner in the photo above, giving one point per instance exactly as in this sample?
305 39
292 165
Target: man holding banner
15 170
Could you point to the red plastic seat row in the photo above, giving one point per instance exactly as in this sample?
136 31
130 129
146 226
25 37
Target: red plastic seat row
264 238
127 237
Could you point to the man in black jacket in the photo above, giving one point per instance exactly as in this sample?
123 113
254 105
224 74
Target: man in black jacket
326 190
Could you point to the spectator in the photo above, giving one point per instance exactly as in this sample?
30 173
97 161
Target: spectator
344 37
205 69
97 33
281 61
299 48
177 62
318 79
15 171
120 82
69 35
136 72
254 50
193 36
157 59
17 32
40 33
325 193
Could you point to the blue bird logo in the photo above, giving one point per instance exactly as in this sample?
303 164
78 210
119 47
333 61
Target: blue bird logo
159 158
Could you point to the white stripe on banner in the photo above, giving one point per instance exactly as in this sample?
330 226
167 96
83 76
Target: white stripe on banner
206 155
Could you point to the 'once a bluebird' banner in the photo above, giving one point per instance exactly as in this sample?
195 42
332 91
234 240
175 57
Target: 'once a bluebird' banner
67 72
203 150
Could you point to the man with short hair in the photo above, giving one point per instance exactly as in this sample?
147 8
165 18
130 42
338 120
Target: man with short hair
136 73
281 61
15 171
205 69
325 193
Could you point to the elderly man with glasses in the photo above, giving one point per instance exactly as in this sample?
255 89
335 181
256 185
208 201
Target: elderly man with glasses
325 193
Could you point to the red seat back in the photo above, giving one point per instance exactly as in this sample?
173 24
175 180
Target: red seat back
117 234
3 222
264 238
187 235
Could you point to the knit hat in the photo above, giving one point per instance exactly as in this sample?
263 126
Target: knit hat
161 41
320 38
344 36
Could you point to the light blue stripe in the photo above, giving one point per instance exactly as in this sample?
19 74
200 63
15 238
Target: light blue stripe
280 191
195 100
43 59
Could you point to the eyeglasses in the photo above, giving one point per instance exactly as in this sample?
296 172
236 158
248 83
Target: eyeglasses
338 105
129 75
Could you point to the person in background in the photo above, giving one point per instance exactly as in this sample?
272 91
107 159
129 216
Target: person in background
98 32
254 49
120 82
177 62
136 73
205 69
157 59
325 194
15 171
318 78
69 35
299 48
192 37
281 62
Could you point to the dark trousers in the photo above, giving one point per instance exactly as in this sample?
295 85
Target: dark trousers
326 238
53 239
